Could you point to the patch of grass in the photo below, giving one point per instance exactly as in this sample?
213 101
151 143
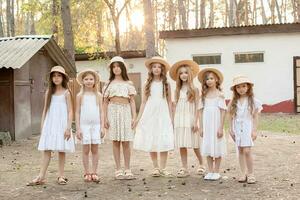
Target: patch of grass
277 123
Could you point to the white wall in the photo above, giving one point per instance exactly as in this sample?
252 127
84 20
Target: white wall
273 78
135 65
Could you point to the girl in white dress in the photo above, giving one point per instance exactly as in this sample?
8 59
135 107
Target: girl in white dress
119 114
212 107
89 121
186 115
56 124
154 130
244 110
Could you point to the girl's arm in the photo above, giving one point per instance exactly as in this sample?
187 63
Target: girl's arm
44 109
222 116
255 124
170 102
101 112
133 110
197 111
142 107
77 116
70 116
105 104
230 122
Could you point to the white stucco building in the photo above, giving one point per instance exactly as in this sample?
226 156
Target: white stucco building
265 53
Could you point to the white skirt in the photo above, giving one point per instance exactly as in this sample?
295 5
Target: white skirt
154 132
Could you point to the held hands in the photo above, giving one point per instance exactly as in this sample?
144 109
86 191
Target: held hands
220 133
106 124
79 134
134 123
232 134
102 133
253 135
195 128
201 131
67 134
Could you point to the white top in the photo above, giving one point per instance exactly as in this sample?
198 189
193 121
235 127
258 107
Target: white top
119 89
89 112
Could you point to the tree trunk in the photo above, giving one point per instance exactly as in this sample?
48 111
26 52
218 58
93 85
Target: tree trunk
172 15
1 22
232 13
202 14
8 18
55 9
278 11
32 24
182 13
196 13
298 10
272 9
67 29
254 13
226 13
212 14
12 19
263 12
149 29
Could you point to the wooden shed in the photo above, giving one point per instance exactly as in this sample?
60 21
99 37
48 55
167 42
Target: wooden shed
25 62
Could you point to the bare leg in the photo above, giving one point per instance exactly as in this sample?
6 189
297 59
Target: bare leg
116 152
248 159
85 157
163 159
183 155
217 164
198 155
210 163
61 164
126 153
153 156
95 158
242 161
45 164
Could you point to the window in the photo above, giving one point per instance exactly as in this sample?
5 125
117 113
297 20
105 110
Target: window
248 57
207 59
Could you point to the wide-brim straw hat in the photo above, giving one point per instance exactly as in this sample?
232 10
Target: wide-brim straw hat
117 59
59 69
157 59
210 69
80 74
193 66
239 80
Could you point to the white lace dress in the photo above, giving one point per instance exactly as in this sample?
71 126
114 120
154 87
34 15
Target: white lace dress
154 132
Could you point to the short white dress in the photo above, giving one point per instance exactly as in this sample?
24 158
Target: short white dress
55 125
154 132
243 122
184 121
90 120
211 120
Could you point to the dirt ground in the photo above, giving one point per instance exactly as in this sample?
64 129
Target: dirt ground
277 168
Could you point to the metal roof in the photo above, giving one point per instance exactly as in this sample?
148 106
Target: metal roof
233 30
16 51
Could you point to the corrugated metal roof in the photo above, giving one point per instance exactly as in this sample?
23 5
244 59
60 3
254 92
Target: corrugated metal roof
16 51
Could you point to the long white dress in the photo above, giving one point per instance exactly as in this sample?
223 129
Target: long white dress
243 123
184 121
212 145
54 127
154 132
90 120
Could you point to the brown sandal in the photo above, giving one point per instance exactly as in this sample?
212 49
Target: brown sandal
95 177
62 180
36 181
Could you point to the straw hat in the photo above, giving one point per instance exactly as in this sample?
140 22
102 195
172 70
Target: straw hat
80 74
157 59
210 69
59 69
193 65
117 59
239 80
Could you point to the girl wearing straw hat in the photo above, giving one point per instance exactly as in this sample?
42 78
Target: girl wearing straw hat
186 115
154 130
244 110
212 107
56 133
88 121
119 113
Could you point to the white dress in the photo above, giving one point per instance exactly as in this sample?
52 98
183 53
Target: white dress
243 122
54 127
154 132
212 145
90 120
184 121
